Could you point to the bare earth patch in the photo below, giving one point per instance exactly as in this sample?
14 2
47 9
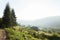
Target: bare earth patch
2 34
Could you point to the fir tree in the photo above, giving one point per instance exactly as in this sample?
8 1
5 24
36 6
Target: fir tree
13 17
7 17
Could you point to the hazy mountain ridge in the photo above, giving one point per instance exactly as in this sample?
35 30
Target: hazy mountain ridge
49 22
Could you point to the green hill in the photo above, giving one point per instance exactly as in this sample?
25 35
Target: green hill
26 33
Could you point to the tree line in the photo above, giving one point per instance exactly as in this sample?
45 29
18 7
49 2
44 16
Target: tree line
9 17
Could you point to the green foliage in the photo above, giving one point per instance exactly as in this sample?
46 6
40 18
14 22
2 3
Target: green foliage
54 37
0 22
13 34
9 18
25 33
13 18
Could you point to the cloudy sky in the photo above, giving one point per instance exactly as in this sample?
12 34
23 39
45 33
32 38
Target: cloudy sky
32 9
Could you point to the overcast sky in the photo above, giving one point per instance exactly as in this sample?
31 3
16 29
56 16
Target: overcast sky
32 9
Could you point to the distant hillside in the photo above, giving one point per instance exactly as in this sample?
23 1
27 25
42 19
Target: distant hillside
49 22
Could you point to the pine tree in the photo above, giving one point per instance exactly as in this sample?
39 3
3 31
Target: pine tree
13 17
7 17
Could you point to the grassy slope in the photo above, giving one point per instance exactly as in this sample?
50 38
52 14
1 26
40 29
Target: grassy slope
24 33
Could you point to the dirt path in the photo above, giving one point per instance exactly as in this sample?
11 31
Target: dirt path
2 34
